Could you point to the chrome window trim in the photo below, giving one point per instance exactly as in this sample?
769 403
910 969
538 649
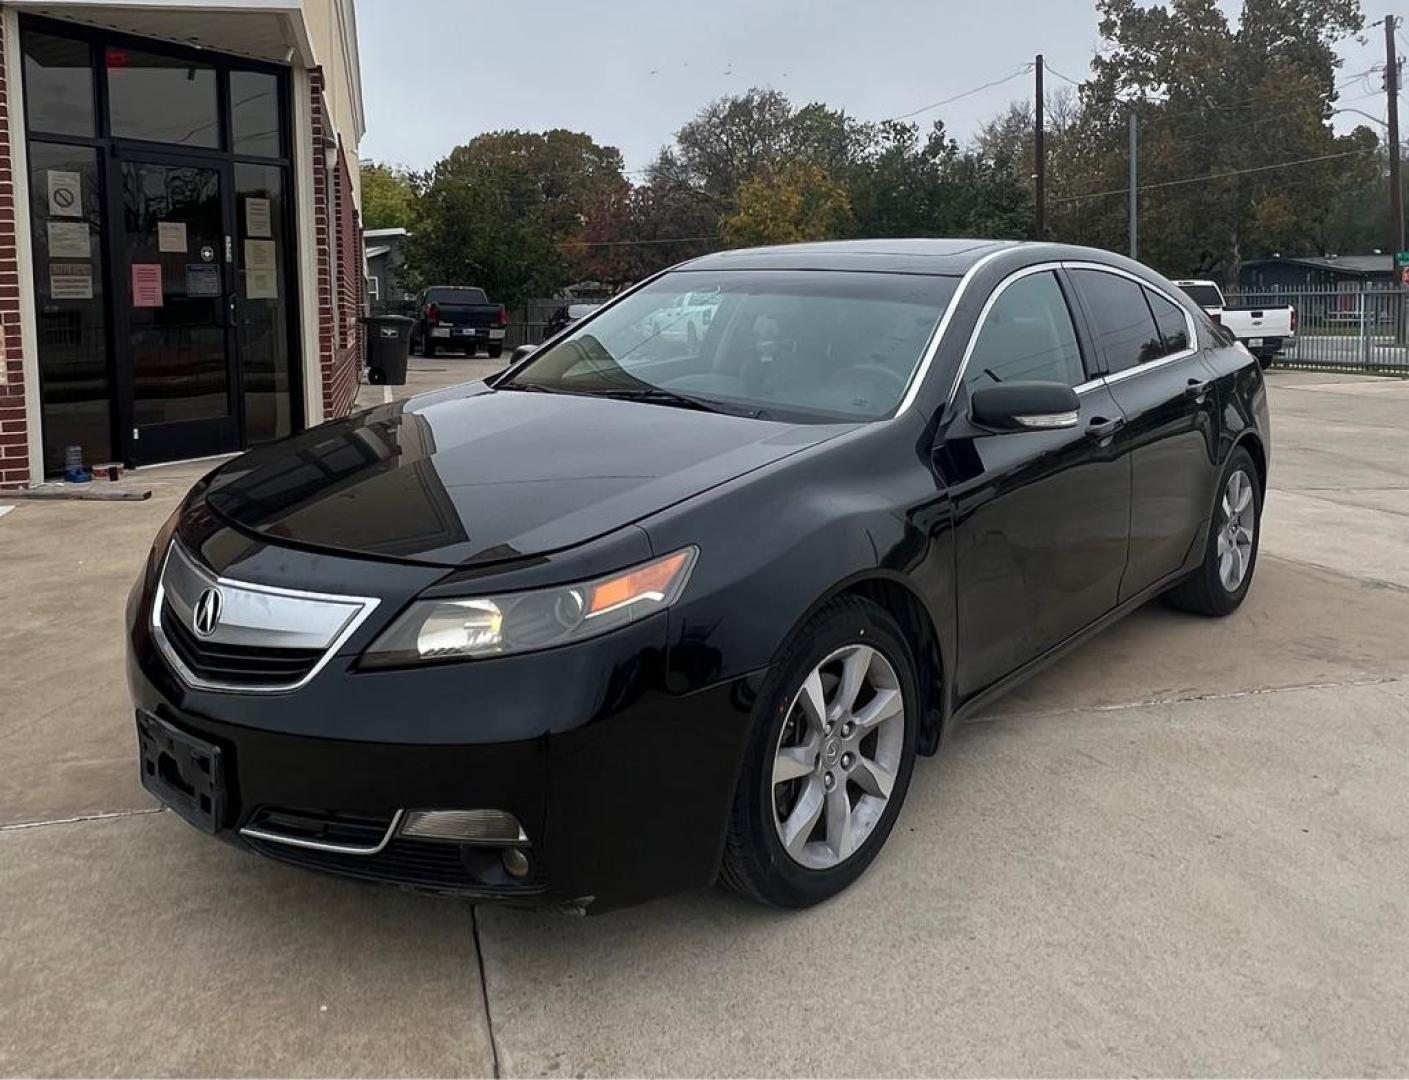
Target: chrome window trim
917 380
1190 327
998 290
364 606
321 845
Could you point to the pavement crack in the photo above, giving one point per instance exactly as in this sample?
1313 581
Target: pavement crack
104 816
484 989
1226 695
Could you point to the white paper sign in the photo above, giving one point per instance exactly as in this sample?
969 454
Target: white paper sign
257 217
259 254
65 194
70 281
68 240
261 285
171 236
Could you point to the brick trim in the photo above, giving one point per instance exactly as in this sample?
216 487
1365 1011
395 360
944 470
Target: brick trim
14 443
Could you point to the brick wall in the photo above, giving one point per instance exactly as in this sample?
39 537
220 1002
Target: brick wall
338 236
14 425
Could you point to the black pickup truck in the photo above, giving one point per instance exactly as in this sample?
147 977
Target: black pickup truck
457 317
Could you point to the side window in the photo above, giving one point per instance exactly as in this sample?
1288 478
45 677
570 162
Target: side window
1169 317
1125 330
1027 335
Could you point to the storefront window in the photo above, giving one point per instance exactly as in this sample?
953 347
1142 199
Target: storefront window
263 301
58 84
254 113
67 222
161 98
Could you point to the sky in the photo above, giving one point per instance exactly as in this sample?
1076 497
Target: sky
435 73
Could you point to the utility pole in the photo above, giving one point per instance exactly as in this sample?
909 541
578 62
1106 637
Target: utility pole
1040 154
1396 192
1134 189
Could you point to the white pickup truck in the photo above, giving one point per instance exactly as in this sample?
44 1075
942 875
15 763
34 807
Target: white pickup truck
1265 331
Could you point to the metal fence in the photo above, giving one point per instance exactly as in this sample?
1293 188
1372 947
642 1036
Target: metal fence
1344 327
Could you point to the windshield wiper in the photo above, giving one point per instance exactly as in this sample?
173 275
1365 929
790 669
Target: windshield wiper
655 395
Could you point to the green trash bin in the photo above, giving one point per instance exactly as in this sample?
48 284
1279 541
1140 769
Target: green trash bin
388 344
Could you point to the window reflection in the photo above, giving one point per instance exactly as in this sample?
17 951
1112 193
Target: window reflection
58 84
162 98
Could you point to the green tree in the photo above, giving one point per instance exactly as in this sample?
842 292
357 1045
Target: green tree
388 197
496 211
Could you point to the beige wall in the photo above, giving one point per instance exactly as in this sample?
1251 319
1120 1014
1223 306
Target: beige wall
332 30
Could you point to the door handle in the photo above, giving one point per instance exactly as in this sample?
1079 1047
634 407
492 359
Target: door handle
1101 428
1197 389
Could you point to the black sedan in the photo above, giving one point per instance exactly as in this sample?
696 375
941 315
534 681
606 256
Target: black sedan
628 619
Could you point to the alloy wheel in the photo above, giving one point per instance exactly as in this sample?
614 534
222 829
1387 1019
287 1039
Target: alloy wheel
837 756
1235 534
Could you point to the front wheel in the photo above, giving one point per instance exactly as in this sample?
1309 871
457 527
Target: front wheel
829 760
1222 580
496 351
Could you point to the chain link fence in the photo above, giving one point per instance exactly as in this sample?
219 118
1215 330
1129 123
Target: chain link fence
1350 326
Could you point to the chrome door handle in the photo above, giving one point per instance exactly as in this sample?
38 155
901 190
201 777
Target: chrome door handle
1100 427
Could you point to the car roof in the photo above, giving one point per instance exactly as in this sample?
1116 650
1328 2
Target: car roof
917 256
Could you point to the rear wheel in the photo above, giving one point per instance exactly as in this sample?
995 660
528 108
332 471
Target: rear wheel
1221 582
427 348
496 350
829 760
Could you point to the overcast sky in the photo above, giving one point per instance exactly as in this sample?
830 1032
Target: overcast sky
631 72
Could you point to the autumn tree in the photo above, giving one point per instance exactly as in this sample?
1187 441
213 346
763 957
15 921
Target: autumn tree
794 202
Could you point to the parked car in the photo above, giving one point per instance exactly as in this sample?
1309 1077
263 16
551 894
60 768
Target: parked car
1265 330
457 317
606 626
569 314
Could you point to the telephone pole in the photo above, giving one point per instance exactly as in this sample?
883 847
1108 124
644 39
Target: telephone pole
1040 154
1134 189
1396 192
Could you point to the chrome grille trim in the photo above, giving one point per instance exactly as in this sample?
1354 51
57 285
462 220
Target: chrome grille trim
258 616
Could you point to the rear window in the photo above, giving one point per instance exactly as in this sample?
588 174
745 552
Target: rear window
455 295
1203 295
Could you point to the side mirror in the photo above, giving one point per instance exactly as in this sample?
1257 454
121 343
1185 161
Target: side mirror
1025 406
522 351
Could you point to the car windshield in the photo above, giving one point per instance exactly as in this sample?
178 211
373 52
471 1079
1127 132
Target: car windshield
816 344
1203 295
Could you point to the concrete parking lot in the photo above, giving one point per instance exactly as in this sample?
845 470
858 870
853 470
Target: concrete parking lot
1182 849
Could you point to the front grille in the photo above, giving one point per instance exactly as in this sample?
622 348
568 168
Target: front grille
424 864
235 665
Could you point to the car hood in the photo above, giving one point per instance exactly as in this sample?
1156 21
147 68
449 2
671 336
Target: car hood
473 475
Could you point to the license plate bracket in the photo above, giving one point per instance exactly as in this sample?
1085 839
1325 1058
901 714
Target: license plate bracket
184 772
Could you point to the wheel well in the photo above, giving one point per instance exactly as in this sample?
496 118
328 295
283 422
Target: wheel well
1255 450
919 629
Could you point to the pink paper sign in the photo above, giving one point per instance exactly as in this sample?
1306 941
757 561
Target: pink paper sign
146 285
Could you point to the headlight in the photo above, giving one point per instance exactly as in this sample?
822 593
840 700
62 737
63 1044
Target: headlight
431 630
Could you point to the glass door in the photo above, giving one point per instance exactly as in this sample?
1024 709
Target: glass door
173 332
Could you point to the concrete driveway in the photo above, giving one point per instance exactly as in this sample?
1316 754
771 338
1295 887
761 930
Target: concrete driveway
1183 849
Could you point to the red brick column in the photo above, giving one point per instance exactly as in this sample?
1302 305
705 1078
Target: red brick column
339 306
14 422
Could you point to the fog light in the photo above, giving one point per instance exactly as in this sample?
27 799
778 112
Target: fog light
464 826
515 862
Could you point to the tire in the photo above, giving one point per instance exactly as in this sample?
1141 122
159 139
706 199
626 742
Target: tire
427 348
496 351
821 862
1207 591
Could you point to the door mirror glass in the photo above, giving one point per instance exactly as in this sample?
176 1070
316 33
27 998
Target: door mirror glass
1025 406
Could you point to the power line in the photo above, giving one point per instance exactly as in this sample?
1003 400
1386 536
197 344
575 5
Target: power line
967 93
1058 74
1215 176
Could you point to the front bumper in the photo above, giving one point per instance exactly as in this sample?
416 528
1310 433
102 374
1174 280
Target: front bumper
623 788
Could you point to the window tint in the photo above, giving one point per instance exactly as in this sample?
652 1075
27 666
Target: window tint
1169 317
1027 335
1125 330
162 98
58 84
254 113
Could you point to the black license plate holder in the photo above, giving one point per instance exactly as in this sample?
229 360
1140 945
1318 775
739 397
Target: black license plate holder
184 772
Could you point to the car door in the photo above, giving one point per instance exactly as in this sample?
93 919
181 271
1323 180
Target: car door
1158 377
1041 517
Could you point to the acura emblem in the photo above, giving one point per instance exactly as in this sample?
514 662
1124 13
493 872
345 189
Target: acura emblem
206 617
